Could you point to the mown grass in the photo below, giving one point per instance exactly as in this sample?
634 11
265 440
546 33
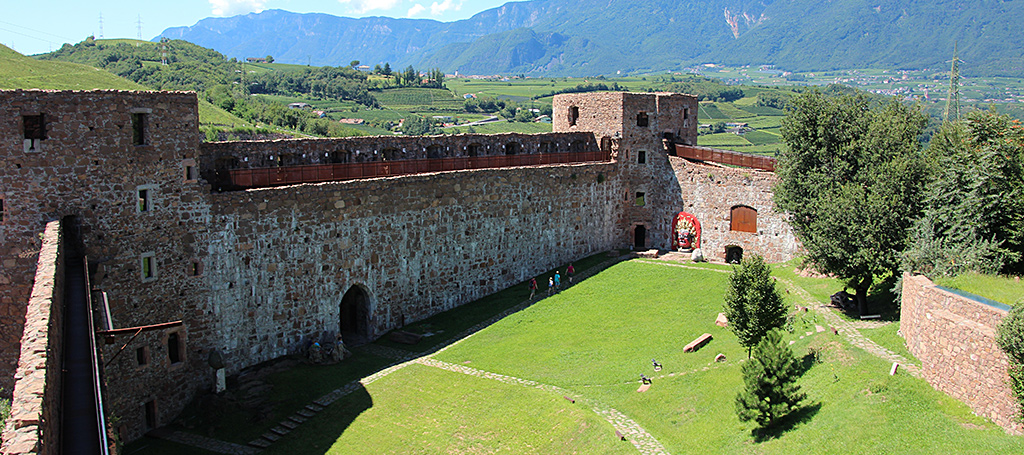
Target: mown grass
503 127
420 409
722 140
419 99
761 138
1001 288
20 72
888 337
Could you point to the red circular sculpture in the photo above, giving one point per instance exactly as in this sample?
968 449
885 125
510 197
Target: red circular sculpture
685 232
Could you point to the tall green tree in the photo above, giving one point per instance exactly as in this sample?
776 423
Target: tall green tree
753 305
851 178
974 203
769 390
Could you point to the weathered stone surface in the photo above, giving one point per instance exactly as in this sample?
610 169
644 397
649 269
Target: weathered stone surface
721 320
954 338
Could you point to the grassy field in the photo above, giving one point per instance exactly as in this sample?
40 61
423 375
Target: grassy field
1008 290
503 127
592 341
20 72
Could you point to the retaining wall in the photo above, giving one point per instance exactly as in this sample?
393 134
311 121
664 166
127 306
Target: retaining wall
955 339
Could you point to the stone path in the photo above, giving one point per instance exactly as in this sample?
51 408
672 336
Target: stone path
849 329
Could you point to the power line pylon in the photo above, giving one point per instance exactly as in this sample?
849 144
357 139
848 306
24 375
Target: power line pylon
953 99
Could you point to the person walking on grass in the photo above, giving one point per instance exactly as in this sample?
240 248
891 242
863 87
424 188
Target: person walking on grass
533 287
570 271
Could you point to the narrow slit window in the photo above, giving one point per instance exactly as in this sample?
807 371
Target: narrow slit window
195 268
641 157
574 115
139 129
686 113
174 347
642 120
35 131
148 267
3 212
144 200
189 168
641 199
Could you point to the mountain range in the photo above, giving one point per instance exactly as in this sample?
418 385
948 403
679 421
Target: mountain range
593 37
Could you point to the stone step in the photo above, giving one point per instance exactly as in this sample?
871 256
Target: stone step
314 408
289 424
306 413
270 436
259 443
280 430
297 418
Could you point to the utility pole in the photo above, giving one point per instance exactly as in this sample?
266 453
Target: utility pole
163 50
138 26
953 98
101 25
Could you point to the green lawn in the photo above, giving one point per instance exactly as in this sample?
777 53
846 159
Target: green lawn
503 127
20 72
722 140
1001 288
421 409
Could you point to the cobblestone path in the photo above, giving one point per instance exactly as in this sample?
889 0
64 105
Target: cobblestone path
849 329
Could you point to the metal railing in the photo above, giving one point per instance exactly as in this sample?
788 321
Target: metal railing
726 157
238 179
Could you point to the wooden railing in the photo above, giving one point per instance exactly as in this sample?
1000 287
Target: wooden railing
726 157
239 179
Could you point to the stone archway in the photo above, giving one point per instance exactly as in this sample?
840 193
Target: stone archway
354 317
733 254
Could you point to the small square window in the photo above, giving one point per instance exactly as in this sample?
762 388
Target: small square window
641 199
142 356
148 265
138 129
144 198
642 120
641 157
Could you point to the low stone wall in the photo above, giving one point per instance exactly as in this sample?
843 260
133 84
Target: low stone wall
955 340
35 408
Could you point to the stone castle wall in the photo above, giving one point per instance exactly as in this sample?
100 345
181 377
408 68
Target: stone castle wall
954 338
257 274
34 424
710 192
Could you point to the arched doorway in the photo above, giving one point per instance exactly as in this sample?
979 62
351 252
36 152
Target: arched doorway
640 238
355 317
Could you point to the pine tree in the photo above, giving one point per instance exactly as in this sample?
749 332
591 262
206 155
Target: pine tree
770 391
753 305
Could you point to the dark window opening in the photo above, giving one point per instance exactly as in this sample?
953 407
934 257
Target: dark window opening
641 120
35 126
150 411
195 269
2 212
148 268
547 147
513 148
641 199
743 219
574 115
434 151
473 149
174 347
144 202
733 254
190 172
641 157
686 113
139 129
142 356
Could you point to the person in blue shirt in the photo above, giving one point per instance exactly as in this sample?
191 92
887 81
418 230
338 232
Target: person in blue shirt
558 280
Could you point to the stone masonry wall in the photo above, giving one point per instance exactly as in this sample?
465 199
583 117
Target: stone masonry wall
710 192
954 338
91 166
34 424
281 259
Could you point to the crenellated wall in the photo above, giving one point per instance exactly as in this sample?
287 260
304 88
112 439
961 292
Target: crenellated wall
955 339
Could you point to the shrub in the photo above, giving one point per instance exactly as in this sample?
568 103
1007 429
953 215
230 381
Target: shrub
1011 340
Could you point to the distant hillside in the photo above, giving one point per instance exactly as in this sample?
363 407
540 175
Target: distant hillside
572 37
20 72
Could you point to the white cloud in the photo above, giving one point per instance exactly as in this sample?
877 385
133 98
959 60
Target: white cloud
437 9
235 7
362 6
415 10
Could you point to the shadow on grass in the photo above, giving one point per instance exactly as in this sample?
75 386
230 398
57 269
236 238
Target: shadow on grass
795 418
324 433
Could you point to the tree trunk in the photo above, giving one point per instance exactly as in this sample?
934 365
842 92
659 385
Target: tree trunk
862 296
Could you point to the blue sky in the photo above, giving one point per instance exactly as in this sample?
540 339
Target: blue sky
33 27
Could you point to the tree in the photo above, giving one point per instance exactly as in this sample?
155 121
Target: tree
974 203
851 180
387 69
753 305
353 63
770 391
1011 340
270 59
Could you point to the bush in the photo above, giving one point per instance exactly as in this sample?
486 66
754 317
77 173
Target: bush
770 392
1011 341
